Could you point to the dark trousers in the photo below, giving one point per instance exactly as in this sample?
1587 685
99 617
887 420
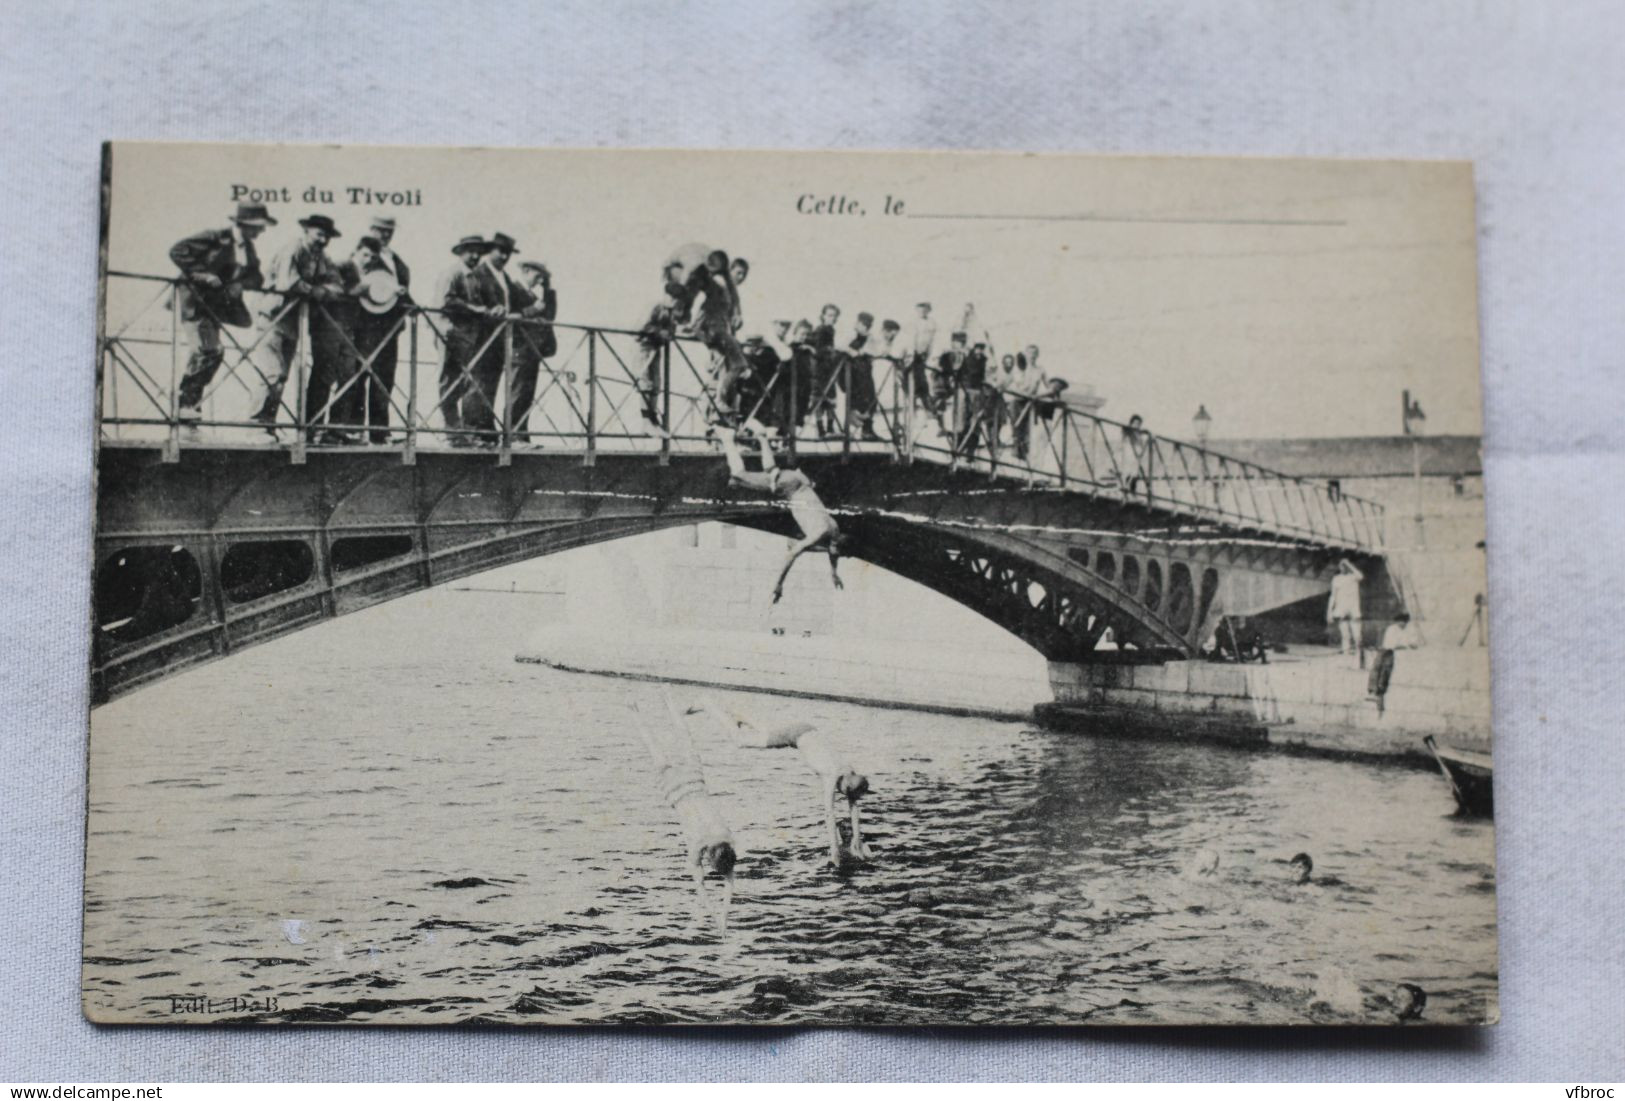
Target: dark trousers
919 381
1382 671
480 397
858 380
975 421
370 333
826 378
205 360
527 369
1021 424
459 349
728 362
332 365
651 347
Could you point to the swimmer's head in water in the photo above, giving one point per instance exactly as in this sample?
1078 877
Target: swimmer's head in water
1302 865
853 785
718 857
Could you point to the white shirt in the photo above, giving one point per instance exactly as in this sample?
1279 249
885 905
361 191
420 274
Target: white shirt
388 257
881 346
780 346
1033 380
922 335
240 244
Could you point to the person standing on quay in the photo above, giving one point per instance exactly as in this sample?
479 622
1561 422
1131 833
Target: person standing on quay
302 279
1344 607
216 265
1400 635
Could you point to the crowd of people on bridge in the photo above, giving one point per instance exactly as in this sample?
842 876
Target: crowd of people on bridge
354 320
795 372
789 378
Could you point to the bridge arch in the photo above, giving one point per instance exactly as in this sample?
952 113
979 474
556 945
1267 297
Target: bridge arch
275 546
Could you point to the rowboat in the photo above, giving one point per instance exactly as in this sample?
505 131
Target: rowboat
1469 773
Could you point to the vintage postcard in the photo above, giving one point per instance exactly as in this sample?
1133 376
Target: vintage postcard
584 587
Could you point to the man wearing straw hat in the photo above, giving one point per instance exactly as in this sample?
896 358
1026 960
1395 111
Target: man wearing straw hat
217 265
385 297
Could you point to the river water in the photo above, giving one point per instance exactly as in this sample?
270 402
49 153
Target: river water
386 819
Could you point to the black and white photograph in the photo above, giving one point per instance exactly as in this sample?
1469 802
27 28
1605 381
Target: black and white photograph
539 587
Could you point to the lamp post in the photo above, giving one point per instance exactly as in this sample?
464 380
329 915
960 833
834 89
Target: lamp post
1202 424
1411 422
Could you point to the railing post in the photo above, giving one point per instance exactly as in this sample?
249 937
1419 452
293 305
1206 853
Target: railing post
591 456
409 445
994 408
172 441
1066 433
301 354
909 403
795 405
505 442
665 402
846 418
110 370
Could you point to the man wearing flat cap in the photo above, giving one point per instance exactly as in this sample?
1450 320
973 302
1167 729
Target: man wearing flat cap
454 294
533 341
217 265
301 276
496 298
385 298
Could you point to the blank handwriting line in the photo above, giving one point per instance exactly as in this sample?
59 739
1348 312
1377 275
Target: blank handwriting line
1123 218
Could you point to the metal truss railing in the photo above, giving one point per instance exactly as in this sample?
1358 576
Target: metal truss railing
605 389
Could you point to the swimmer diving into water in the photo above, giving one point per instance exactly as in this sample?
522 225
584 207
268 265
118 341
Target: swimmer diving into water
682 781
818 527
836 780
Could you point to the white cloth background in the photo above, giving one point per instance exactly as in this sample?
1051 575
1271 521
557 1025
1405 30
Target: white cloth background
1534 93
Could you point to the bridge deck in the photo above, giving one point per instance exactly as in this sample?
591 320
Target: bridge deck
590 394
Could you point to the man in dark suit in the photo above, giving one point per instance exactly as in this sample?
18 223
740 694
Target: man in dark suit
301 275
496 298
532 342
944 380
975 408
377 327
454 296
216 265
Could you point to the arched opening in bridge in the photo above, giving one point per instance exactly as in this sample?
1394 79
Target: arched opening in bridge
1131 575
255 570
1210 589
1181 598
1106 565
1152 597
353 552
140 591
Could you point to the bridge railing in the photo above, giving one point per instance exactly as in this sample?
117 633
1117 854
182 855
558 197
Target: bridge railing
430 378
